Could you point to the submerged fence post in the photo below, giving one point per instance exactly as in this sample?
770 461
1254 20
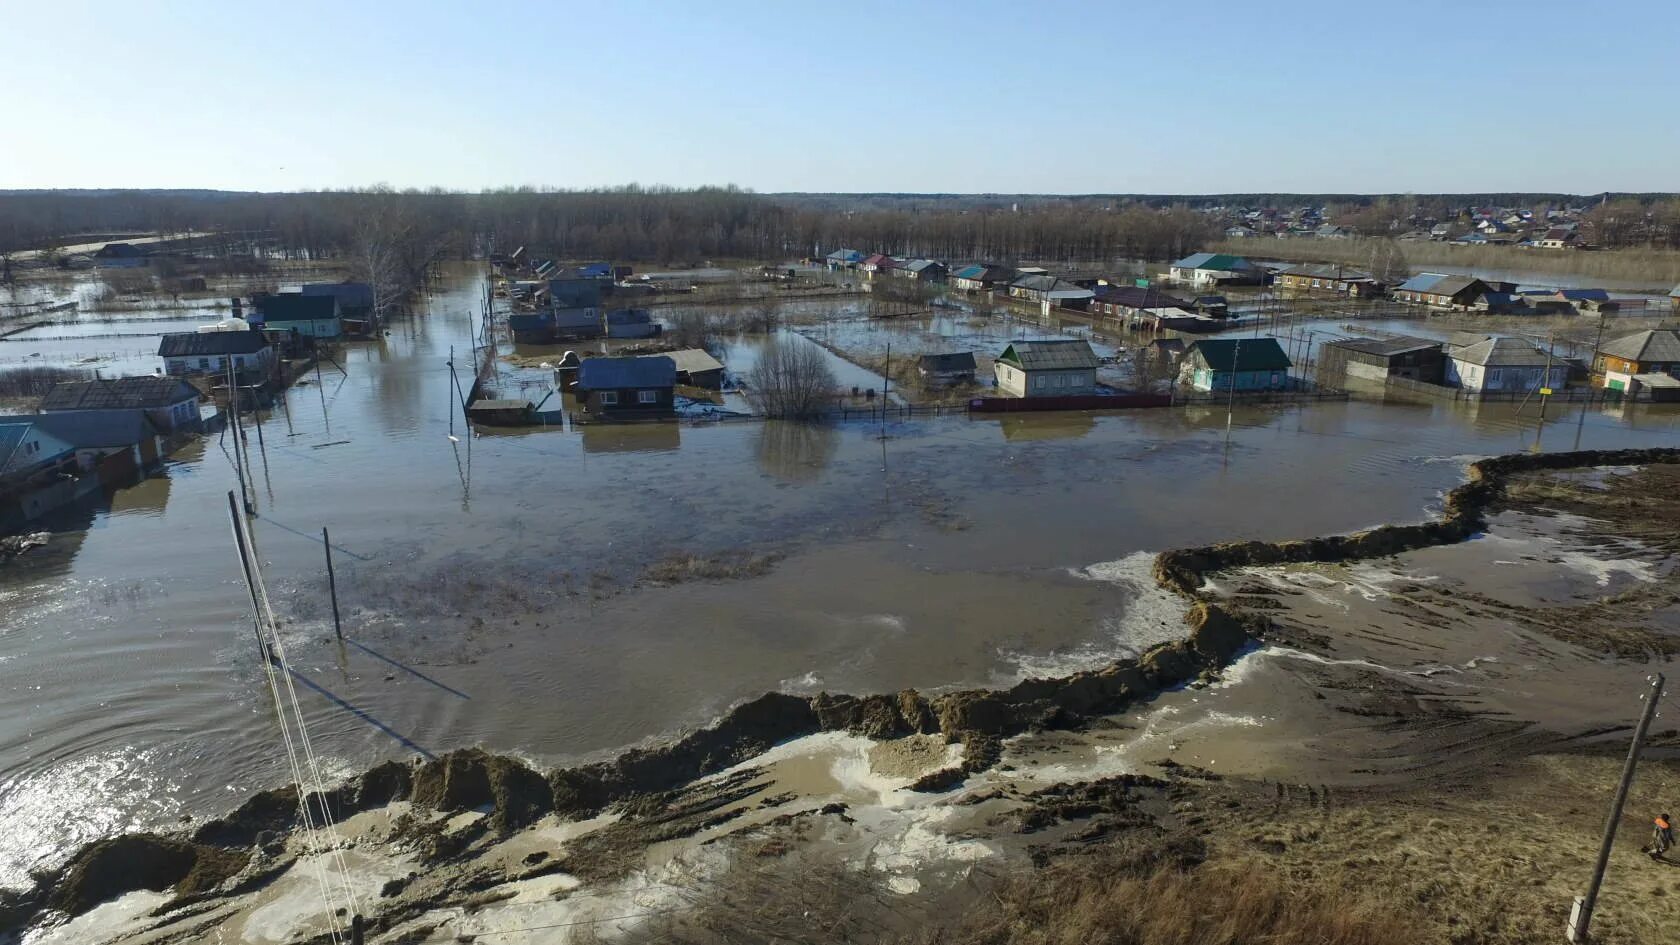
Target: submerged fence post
332 582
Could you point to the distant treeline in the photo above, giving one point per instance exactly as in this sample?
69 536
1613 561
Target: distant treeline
637 224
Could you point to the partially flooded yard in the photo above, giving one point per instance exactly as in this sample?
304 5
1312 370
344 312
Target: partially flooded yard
505 589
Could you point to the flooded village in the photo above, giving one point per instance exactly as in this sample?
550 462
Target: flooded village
555 509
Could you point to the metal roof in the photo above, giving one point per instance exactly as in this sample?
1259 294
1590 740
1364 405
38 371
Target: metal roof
1385 347
190 344
97 429
614 373
1661 344
1132 296
629 316
1325 271
296 307
1502 352
970 272
119 393
1437 283
942 363
1674 293
1217 262
694 361
1240 354
917 265
1050 355
349 294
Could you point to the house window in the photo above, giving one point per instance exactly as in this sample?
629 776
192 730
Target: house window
647 396
204 364
1041 382
609 398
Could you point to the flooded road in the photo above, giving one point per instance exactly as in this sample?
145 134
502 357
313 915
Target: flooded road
493 588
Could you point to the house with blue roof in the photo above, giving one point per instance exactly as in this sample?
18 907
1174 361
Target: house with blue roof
641 388
843 259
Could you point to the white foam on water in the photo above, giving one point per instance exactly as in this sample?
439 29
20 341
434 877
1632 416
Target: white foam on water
811 682
1152 615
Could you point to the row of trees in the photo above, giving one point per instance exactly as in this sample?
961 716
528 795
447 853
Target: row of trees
629 223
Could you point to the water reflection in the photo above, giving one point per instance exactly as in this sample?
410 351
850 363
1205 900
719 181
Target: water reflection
1022 427
796 452
631 438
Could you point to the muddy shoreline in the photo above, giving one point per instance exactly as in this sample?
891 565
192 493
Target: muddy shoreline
226 853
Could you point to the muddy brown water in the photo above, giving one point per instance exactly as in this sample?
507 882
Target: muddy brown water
490 586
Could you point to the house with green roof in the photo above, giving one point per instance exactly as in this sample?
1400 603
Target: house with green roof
1205 269
1245 364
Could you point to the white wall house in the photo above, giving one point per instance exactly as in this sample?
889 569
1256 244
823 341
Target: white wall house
1046 369
1503 364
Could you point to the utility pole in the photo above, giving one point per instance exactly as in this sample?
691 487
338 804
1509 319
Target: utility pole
332 582
238 439
1546 379
1231 402
885 379
1580 915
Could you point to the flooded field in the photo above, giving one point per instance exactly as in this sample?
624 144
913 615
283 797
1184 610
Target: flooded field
501 590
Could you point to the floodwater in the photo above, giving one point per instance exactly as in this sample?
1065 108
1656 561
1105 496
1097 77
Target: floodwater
491 589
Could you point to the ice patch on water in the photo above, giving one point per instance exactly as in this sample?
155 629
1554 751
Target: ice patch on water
1153 615
105 922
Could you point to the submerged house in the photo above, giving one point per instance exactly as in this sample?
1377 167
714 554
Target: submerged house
946 370
697 368
1050 291
355 304
1503 364
548 326
190 353
1377 359
1047 369
1253 364
1637 359
922 270
1202 269
1127 301
627 388
1441 290
843 259
575 291
631 323
981 278
1317 277
308 316
170 403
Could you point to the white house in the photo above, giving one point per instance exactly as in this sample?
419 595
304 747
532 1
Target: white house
1204 269
1046 369
208 352
1503 364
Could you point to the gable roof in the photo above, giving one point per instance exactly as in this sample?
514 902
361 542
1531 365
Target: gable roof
349 294
297 307
1132 296
613 373
118 393
1055 355
1385 347
1674 293
1325 271
1660 344
945 363
1584 295
917 265
1437 283
1502 352
845 255
1219 262
14 430
98 429
1240 354
880 261
694 361
193 344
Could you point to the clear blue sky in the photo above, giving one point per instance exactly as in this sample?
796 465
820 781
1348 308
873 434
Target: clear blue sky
1050 97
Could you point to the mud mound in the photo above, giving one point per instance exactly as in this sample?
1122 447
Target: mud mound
275 810
472 778
109 868
878 716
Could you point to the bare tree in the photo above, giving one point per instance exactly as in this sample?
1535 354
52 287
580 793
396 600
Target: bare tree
792 379
1388 263
689 329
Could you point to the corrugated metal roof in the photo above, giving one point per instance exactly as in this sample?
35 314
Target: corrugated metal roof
1502 352
349 294
917 265
1240 354
192 344
1050 355
1662 344
615 373
694 361
1218 262
1133 297
1324 271
946 363
1385 347
97 429
119 393
970 272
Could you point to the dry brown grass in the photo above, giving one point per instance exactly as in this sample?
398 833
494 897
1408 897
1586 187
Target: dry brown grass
1659 268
